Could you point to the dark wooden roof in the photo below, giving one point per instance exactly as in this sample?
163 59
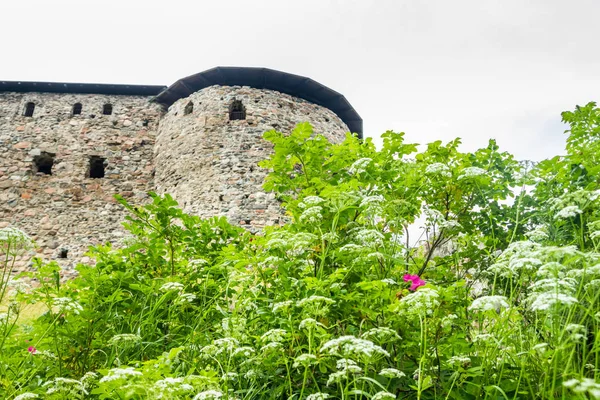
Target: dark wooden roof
265 78
89 88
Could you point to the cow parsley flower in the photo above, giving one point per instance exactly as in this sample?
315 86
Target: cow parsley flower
26 396
65 386
568 212
66 305
312 215
472 172
125 338
391 373
585 385
420 303
459 361
309 323
359 166
317 396
438 169
304 360
577 332
16 240
548 301
487 303
383 396
120 373
310 201
274 335
169 286
185 298
282 306
381 333
314 300
350 345
208 395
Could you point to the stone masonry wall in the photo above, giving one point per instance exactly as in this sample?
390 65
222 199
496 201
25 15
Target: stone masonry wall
69 210
209 163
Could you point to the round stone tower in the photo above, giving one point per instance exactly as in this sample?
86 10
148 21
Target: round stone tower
209 142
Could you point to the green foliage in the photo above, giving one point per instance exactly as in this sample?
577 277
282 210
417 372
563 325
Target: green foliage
501 255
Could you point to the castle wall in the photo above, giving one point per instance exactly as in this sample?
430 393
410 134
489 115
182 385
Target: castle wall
209 163
69 210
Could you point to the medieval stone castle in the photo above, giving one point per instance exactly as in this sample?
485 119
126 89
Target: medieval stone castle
66 149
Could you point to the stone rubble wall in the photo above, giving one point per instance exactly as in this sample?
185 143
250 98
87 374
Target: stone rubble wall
209 163
67 210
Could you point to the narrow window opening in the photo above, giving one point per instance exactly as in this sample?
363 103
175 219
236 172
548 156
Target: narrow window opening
77 109
220 197
107 109
189 108
43 163
237 110
29 107
63 253
145 123
96 167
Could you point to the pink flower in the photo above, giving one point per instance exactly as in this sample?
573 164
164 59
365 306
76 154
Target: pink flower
31 349
415 281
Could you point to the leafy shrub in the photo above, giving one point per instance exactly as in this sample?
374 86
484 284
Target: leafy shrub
496 298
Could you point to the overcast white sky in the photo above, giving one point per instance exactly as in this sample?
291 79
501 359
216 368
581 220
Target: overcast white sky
434 69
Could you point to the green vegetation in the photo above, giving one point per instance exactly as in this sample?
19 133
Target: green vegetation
498 299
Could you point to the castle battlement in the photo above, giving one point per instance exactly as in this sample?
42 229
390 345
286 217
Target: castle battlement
68 148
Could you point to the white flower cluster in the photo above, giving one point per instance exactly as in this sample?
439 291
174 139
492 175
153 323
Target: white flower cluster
16 240
312 215
273 335
359 166
519 257
170 286
19 285
381 333
488 303
208 395
583 386
350 345
420 303
125 338
185 298
64 386
383 396
314 299
282 306
372 204
472 172
309 323
345 367
577 332
391 373
120 373
66 305
568 212
438 169
26 396
548 301
317 396
447 321
369 237
310 201
459 361
304 360
172 386
538 234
